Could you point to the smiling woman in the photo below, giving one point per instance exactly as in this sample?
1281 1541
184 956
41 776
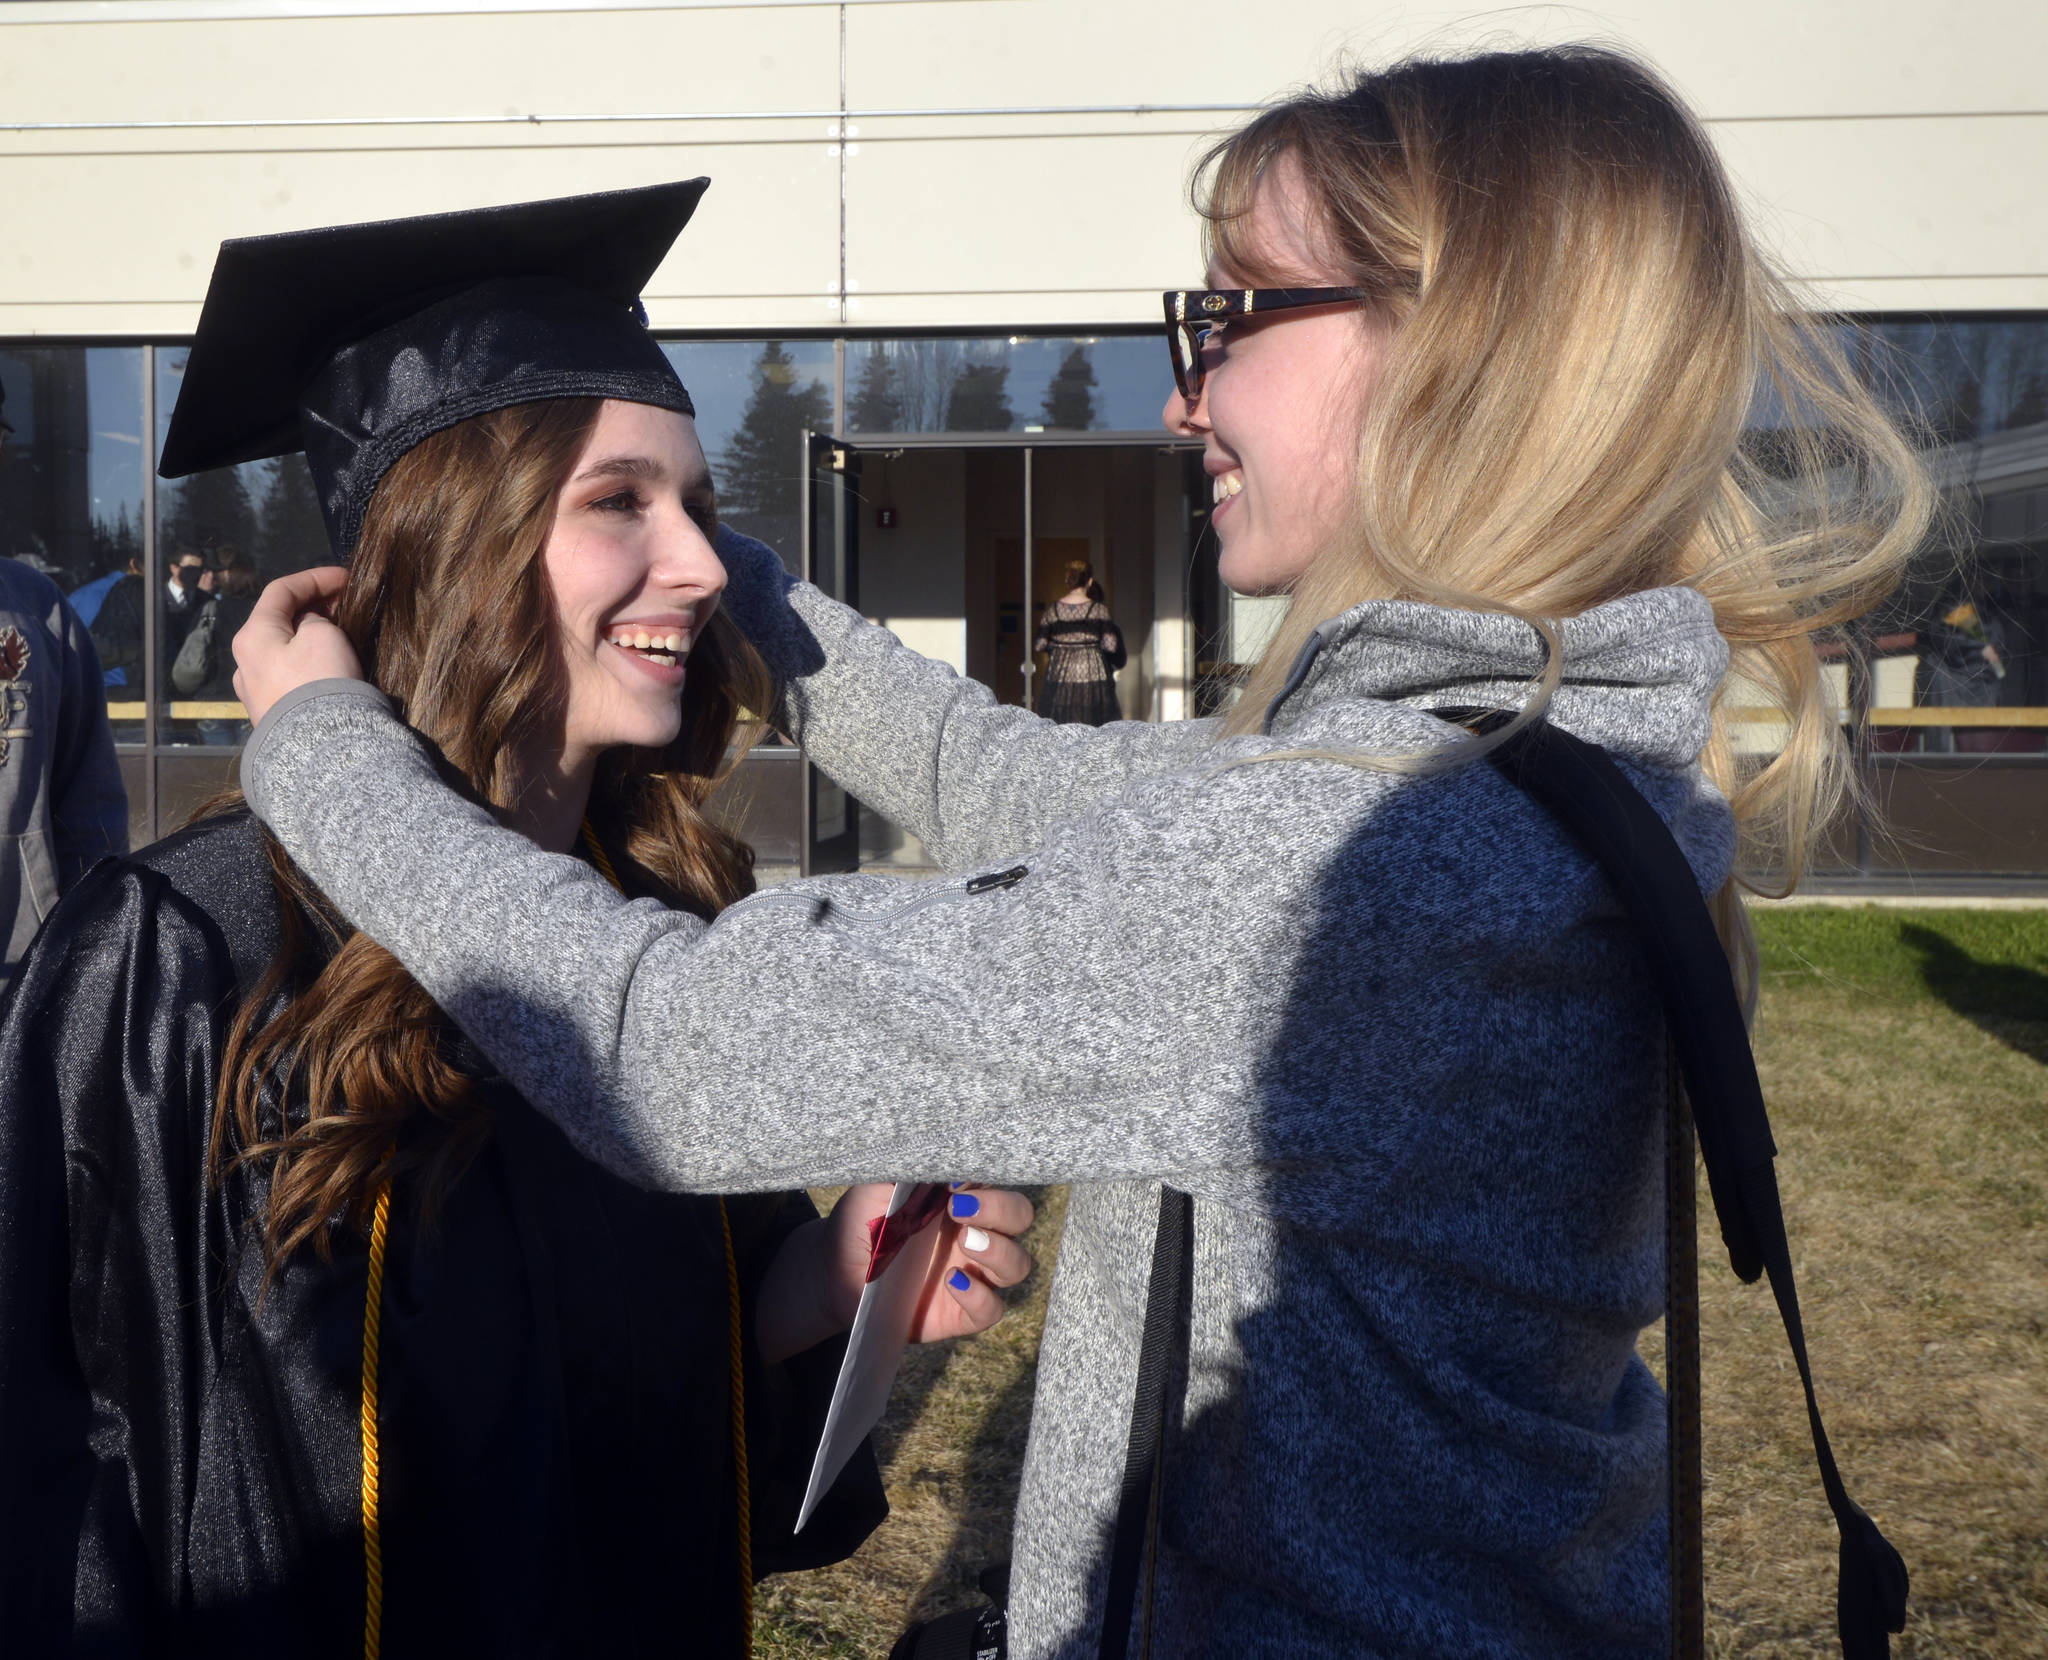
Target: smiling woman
339 1340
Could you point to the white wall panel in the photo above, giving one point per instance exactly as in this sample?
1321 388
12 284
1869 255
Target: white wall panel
1735 58
984 223
114 231
1894 146
726 59
1898 208
763 245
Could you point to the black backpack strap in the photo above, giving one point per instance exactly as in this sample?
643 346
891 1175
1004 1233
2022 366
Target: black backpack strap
1682 1370
1165 1341
1580 786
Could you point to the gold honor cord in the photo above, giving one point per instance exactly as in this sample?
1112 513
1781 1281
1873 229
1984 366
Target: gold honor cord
738 1346
373 1537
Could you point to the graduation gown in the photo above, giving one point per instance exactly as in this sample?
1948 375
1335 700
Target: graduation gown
180 1450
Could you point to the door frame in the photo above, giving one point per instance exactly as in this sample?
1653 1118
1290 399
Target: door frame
885 445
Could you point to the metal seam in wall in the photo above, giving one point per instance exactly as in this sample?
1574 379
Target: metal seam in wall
963 112
45 13
266 123
845 147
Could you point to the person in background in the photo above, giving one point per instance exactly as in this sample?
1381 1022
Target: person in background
62 805
1083 648
211 679
1962 668
185 591
116 624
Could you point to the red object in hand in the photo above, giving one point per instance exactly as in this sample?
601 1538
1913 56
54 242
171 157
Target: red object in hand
889 1234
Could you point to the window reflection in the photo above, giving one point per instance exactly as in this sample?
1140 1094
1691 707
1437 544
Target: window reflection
755 399
1958 659
220 536
1007 383
71 492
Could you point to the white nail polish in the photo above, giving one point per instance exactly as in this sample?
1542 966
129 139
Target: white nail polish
976 1240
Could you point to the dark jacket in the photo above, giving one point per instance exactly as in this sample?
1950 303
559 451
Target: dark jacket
180 1451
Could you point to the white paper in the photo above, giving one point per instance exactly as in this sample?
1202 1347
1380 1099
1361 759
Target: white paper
874 1349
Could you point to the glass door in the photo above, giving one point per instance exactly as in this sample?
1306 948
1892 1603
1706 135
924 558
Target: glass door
831 561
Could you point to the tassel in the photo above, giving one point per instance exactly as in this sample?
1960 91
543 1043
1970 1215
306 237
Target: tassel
1872 1596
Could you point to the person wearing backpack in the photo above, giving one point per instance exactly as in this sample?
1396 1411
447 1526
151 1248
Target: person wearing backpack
204 669
1471 368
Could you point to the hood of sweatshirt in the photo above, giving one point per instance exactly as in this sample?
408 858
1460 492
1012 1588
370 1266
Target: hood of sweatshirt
1639 678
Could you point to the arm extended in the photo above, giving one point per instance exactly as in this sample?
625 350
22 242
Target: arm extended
927 748
832 1031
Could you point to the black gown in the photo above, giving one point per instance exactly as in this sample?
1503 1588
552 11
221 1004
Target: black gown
180 1456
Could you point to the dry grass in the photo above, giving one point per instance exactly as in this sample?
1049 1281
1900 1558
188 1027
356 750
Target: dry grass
951 1448
1905 1055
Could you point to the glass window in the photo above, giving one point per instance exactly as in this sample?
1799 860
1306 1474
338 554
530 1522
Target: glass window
1007 383
1960 658
71 494
755 399
220 536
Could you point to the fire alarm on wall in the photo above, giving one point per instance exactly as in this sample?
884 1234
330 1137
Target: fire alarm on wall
885 518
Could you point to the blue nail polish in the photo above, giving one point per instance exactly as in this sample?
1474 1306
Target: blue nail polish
964 1206
956 1186
958 1280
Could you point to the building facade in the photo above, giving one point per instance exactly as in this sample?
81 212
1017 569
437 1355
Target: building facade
919 312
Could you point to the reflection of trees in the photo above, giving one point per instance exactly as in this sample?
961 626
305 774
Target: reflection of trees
45 499
875 406
114 543
207 511
922 372
294 533
1070 397
1965 380
979 400
932 386
761 471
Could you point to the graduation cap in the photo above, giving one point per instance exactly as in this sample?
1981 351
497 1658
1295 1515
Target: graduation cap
355 342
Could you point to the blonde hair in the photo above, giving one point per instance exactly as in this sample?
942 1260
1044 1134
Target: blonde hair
1579 328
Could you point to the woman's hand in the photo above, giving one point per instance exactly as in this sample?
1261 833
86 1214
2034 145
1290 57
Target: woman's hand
812 1289
288 641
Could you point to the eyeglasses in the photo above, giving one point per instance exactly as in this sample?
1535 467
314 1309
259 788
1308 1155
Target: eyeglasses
1192 315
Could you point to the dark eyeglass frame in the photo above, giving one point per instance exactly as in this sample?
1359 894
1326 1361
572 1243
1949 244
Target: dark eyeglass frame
1191 313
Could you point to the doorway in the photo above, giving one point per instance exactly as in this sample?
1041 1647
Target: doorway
956 543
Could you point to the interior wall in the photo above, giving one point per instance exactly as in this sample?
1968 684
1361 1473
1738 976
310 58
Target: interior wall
913 577
1168 670
994 508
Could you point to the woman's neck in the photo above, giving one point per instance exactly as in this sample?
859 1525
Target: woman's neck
554 795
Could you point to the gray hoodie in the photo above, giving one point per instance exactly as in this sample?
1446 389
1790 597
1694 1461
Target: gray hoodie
1391 1033
61 801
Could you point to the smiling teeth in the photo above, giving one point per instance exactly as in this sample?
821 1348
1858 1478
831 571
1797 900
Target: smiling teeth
1224 486
660 648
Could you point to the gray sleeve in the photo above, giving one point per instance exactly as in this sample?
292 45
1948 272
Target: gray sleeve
1078 1021
927 748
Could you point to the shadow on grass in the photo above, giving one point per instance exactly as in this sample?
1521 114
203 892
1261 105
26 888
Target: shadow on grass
983 1507
2004 1000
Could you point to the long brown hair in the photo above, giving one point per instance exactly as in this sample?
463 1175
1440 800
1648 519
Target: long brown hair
1578 329
449 608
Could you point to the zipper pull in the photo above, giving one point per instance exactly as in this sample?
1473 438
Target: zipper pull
998 879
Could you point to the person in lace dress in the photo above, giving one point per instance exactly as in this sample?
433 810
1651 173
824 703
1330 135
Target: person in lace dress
1083 648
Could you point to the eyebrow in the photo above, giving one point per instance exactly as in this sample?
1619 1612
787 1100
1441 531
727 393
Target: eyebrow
640 466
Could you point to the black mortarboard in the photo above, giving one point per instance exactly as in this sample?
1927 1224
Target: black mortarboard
355 342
